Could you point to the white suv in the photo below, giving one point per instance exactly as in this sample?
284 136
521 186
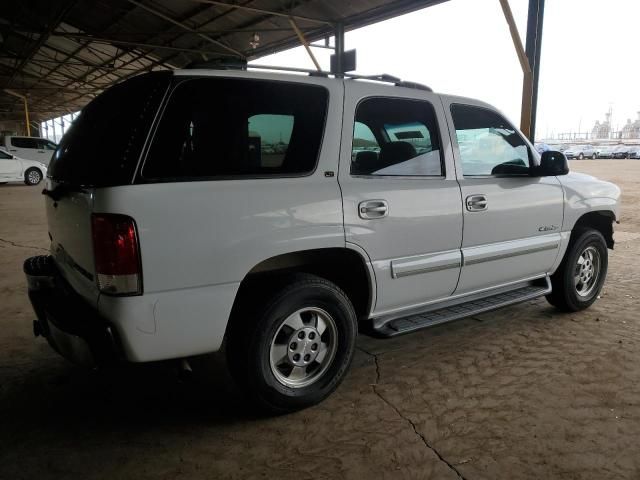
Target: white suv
284 213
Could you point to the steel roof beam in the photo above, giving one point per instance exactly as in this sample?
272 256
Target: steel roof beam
186 27
265 12
43 38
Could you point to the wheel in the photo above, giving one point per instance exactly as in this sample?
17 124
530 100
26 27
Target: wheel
594 156
578 281
32 176
293 350
581 157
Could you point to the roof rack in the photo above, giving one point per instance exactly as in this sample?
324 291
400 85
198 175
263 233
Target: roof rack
383 77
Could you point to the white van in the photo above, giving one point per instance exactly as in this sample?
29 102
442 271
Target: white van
30 148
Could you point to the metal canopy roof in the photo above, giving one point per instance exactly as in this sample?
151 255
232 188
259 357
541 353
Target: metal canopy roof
62 53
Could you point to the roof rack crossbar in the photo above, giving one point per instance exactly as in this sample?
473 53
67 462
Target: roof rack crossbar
383 77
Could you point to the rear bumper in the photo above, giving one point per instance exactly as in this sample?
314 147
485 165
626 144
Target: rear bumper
72 327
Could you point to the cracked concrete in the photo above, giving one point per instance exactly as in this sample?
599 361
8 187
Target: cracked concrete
404 417
14 244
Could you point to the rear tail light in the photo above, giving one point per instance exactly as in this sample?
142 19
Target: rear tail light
117 254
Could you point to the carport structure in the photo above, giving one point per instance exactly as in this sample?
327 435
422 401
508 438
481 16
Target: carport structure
55 56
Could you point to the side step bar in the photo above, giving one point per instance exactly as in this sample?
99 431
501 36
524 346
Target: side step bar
462 310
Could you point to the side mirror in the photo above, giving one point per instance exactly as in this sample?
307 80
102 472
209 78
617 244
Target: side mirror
552 164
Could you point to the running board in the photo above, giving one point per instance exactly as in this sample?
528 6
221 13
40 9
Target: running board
462 310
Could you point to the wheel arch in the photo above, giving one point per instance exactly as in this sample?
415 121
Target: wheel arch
600 220
347 267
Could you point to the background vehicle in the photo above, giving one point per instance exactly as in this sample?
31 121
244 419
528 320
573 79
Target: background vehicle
29 148
604 151
165 245
14 169
621 151
634 152
581 151
542 147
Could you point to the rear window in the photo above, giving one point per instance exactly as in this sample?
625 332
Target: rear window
22 142
103 145
221 127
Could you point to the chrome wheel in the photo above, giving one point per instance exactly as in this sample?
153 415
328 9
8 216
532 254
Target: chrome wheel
587 271
303 347
34 177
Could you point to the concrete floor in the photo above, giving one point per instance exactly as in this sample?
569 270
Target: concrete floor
525 392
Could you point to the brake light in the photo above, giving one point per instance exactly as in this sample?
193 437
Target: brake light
116 254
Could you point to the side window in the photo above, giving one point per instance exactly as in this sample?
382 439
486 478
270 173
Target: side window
24 142
269 137
222 127
396 137
489 145
364 143
5 156
46 145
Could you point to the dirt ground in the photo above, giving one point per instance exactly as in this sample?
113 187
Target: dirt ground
524 392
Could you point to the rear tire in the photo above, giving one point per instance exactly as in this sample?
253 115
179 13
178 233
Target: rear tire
581 157
594 156
32 177
293 349
578 281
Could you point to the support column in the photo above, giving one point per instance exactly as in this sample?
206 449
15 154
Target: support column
339 36
533 49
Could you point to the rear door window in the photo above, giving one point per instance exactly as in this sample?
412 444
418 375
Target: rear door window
223 127
396 137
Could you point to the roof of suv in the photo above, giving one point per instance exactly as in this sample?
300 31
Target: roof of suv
298 75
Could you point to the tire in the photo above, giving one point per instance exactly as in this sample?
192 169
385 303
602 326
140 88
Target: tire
581 157
594 156
587 257
307 316
32 177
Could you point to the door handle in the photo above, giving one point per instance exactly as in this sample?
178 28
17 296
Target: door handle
371 209
476 203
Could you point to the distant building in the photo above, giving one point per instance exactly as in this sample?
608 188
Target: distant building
602 130
631 129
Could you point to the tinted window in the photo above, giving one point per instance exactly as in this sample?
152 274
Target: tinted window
217 127
270 136
488 144
5 156
403 138
22 142
102 147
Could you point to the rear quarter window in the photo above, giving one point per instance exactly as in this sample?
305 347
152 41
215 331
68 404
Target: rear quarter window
103 146
222 127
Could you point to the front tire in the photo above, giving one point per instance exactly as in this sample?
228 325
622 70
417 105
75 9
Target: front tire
578 281
294 349
594 156
581 157
32 177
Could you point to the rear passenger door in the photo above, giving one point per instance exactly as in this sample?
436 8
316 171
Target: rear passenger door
401 199
512 220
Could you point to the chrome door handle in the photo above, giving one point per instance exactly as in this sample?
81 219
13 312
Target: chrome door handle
476 203
371 209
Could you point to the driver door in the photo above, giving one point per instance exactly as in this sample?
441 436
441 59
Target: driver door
512 221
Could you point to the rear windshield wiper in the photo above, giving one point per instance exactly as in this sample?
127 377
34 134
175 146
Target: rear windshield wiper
61 190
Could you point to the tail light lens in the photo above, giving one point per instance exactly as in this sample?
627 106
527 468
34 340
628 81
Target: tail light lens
117 254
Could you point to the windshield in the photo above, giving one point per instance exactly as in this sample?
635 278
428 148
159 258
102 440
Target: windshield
103 145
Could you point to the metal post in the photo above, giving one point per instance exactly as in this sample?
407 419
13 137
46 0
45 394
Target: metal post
527 84
339 36
26 108
534 46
